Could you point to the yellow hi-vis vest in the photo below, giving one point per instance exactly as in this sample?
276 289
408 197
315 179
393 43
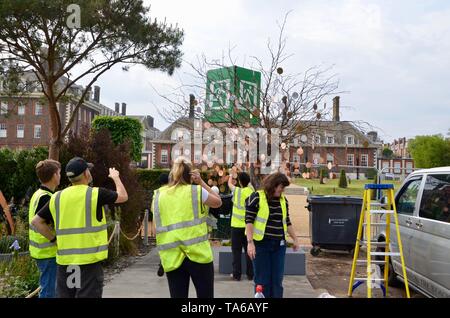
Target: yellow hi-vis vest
40 246
239 197
81 239
181 229
263 216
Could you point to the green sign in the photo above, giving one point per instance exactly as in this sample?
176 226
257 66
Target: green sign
233 95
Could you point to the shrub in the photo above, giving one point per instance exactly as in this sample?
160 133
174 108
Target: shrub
371 173
20 277
343 180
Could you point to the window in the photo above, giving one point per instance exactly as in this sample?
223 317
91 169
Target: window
198 157
20 130
330 157
316 158
296 157
409 166
406 201
21 110
397 167
85 116
164 156
37 131
38 109
365 160
3 108
350 159
317 139
79 114
3 131
350 140
330 139
435 203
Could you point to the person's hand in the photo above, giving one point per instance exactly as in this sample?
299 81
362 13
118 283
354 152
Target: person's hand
196 178
251 250
295 245
113 173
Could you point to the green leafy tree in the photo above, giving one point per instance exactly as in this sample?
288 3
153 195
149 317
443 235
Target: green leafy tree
388 153
45 41
343 179
430 151
122 129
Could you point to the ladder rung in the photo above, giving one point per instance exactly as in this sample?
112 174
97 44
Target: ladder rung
364 261
384 254
381 211
375 224
373 243
379 204
365 279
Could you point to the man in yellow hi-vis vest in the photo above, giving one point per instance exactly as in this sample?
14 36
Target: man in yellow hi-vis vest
42 249
81 230
238 237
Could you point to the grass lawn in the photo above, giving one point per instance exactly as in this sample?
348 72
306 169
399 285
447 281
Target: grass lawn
355 188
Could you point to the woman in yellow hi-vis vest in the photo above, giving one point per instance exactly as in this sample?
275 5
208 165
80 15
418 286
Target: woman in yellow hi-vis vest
267 223
182 232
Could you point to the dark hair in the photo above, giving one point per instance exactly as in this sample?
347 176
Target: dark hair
244 179
45 169
272 181
163 178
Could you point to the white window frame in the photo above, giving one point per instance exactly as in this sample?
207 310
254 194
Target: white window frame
329 143
317 139
164 154
22 134
352 160
38 109
367 160
3 130
316 158
397 167
21 110
37 128
330 155
409 167
347 140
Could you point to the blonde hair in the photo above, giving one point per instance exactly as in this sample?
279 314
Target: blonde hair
180 172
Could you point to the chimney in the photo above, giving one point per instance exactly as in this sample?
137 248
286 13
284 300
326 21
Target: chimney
97 94
150 121
336 108
117 107
124 109
191 105
373 136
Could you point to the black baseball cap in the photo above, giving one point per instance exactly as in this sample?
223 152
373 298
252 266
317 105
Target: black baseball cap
77 166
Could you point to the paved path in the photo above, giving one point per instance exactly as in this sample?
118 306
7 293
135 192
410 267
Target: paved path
140 281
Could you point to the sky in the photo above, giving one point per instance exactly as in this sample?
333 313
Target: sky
392 58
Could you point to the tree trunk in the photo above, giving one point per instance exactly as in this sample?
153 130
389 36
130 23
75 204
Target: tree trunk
55 138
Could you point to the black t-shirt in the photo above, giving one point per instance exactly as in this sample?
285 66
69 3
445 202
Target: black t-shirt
43 201
105 196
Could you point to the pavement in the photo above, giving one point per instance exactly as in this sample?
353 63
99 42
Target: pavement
140 281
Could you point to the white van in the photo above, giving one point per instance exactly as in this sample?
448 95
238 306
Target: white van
423 207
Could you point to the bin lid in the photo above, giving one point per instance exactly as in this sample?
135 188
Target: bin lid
334 199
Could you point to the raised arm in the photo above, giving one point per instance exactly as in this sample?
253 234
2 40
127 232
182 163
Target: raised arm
122 195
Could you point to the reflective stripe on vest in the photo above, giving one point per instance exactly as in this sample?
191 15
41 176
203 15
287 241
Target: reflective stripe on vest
40 247
186 232
263 215
82 242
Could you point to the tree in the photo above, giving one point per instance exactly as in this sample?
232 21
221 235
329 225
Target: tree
343 179
45 41
122 129
388 153
430 151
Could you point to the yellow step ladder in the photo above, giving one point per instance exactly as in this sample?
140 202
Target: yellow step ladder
370 209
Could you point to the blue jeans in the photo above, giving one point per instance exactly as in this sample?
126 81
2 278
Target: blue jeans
268 266
47 277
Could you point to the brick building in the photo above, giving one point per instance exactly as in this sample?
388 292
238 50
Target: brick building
335 141
25 119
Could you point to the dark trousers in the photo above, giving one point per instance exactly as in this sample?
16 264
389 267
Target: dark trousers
239 241
269 266
202 276
79 281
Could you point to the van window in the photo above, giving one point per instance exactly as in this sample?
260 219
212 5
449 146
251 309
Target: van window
406 201
435 203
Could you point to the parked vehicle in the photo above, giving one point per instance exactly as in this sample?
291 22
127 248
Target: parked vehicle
423 207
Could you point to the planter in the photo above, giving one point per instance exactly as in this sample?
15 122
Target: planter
8 256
